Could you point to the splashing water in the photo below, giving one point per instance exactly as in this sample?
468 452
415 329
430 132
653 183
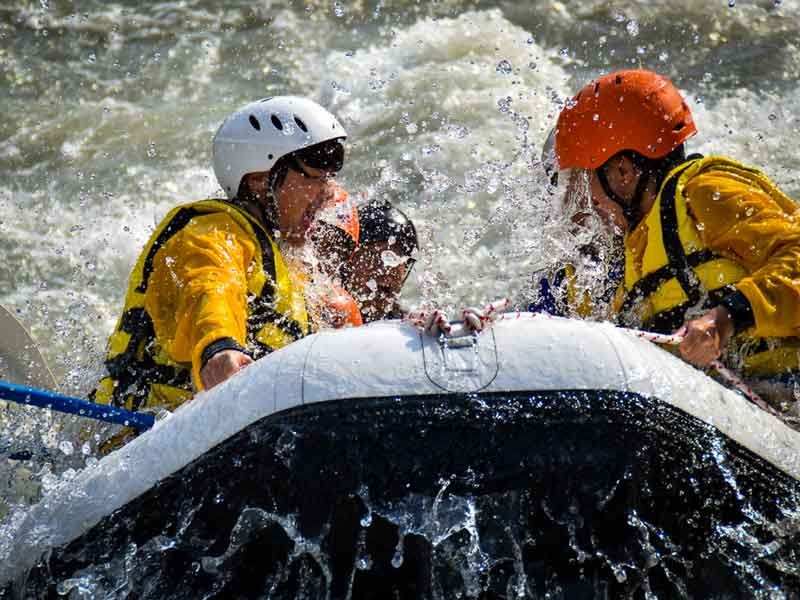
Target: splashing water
552 502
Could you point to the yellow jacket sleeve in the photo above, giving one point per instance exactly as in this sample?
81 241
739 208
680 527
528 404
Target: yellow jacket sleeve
197 292
748 220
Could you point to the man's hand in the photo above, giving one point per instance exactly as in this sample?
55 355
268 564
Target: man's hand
705 338
222 365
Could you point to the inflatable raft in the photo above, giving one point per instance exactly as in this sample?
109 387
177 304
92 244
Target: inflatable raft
544 456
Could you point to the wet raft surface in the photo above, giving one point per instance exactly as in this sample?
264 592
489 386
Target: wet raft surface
571 494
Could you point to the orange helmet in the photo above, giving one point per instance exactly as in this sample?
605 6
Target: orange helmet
334 231
339 212
627 110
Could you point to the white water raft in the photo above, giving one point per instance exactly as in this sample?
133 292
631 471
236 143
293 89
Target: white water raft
392 360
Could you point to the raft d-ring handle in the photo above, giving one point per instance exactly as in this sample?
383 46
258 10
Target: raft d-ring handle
454 342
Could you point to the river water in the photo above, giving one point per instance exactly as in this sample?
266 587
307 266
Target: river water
108 109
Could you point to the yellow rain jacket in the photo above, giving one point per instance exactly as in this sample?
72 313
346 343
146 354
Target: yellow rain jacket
719 233
209 279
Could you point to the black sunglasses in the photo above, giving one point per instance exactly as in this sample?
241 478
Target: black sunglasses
327 156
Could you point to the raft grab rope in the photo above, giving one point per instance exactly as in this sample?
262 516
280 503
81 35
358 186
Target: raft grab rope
436 323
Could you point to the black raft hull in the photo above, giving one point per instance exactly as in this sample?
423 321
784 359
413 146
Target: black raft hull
585 494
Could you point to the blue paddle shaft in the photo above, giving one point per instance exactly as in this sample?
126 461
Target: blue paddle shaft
75 406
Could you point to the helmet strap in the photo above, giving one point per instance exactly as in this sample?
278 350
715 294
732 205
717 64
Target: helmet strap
651 170
269 208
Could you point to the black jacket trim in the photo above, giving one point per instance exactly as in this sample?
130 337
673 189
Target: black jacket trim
218 346
740 310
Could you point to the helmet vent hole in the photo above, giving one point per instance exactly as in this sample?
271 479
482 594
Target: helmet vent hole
277 122
618 80
300 124
254 122
270 156
679 126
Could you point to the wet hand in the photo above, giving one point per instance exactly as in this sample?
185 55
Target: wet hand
706 337
222 365
476 319
433 323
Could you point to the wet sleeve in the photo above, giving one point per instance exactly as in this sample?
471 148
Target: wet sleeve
740 220
197 295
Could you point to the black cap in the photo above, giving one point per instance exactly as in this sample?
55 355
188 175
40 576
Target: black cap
379 221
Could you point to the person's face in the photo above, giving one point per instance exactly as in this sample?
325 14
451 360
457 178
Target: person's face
299 198
375 285
623 178
610 212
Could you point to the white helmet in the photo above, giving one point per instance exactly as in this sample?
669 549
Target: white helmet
254 137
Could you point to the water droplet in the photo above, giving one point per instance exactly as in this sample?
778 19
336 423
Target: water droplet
390 259
663 56
45 4
564 53
532 66
530 41
504 104
288 128
504 68
595 117
412 128
457 132
397 559
366 520
66 447
364 562
619 573
731 3
86 449
151 150
715 196
428 150
92 57
632 27
338 9
772 116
